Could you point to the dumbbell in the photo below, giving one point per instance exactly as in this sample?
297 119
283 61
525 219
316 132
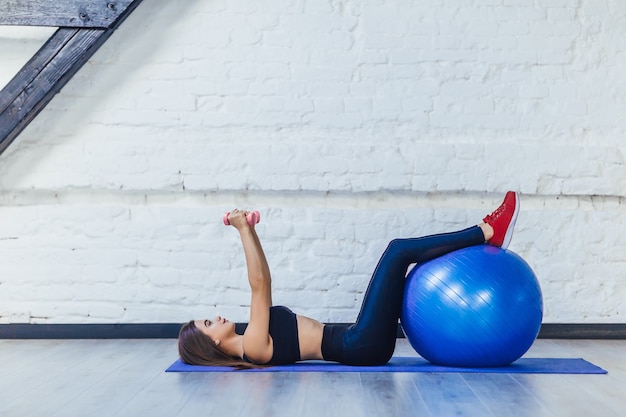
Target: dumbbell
252 217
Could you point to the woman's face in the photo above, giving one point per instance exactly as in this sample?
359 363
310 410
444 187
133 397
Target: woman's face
217 329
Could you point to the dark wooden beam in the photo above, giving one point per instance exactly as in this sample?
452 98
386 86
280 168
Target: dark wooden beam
45 74
42 78
67 13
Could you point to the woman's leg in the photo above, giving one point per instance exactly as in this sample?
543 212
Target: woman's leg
371 340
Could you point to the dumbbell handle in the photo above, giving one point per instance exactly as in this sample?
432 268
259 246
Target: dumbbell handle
252 217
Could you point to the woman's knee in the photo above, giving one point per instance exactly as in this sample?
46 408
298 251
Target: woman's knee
394 245
396 251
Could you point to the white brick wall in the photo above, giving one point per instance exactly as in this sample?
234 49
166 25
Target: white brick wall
346 123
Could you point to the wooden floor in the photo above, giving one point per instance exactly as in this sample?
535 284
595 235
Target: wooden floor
125 378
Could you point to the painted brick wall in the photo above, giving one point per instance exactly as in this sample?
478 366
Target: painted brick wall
346 123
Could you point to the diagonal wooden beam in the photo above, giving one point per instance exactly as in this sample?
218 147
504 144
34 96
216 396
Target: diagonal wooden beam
45 74
43 77
67 13
33 67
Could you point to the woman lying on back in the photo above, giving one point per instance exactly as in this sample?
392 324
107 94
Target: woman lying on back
277 336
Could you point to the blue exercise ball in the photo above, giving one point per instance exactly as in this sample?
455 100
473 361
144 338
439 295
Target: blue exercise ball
476 307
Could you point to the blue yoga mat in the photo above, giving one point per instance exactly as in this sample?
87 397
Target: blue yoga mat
416 364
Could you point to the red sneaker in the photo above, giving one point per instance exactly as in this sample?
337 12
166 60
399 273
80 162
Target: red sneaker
503 220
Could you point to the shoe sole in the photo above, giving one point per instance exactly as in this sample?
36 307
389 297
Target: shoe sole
509 231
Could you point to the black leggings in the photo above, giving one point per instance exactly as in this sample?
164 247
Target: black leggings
372 339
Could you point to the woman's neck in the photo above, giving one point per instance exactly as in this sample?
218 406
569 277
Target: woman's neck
233 346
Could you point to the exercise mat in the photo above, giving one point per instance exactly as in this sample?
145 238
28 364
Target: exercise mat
417 364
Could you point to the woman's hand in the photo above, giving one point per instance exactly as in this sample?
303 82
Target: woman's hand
237 219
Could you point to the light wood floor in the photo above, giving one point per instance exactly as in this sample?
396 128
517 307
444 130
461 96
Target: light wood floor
125 378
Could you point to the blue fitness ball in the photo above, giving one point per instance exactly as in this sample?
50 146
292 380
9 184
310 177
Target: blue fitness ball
476 307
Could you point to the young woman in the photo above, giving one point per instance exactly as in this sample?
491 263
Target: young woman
277 336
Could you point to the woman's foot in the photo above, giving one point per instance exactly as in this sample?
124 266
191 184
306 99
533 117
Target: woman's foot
502 221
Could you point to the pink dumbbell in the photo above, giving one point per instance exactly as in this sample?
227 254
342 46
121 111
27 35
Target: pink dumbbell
252 217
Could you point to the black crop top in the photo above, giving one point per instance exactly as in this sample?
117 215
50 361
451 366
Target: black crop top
284 332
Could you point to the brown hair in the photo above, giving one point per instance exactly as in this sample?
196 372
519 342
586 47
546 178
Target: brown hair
196 348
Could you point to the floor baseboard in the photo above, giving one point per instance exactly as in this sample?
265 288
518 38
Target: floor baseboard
583 331
170 330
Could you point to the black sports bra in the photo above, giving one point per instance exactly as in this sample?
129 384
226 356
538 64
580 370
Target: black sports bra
284 332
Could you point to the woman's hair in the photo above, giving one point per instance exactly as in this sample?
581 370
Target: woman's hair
196 348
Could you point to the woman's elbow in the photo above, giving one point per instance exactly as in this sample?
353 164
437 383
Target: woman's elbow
260 281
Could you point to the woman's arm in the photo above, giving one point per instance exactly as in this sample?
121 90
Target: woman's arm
257 343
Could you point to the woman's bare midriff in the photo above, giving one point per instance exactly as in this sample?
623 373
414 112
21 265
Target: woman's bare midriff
310 333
